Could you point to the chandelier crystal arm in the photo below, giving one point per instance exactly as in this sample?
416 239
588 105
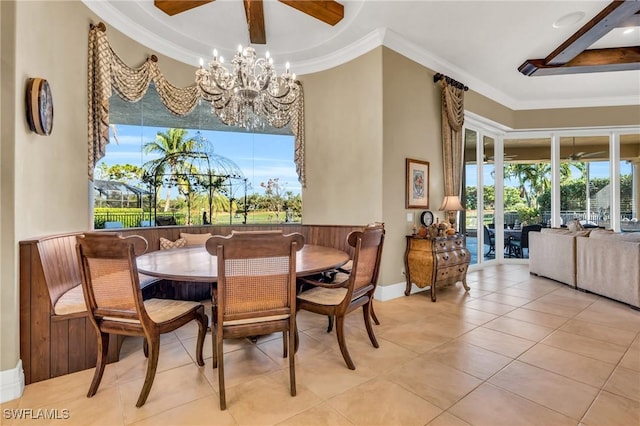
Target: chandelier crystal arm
252 94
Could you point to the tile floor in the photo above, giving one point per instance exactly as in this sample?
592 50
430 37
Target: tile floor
515 350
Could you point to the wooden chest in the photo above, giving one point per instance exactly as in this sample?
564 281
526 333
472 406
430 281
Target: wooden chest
434 262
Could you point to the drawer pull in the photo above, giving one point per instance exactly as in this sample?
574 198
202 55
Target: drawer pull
445 257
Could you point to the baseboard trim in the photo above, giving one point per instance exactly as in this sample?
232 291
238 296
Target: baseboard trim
393 291
11 383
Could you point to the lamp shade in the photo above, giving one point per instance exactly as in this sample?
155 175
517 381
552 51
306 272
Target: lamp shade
451 203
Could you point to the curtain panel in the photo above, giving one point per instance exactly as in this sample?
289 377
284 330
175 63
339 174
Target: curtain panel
452 145
108 73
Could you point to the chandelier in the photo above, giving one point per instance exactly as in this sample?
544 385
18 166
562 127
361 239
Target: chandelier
251 95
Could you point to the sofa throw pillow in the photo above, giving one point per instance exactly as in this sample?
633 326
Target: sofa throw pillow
168 244
575 226
195 239
583 233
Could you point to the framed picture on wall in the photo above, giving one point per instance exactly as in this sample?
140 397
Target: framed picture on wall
417 184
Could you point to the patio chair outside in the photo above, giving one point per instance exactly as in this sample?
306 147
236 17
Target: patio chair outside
489 240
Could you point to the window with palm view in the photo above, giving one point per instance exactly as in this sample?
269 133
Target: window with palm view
163 169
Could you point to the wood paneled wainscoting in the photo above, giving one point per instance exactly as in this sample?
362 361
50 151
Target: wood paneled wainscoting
53 345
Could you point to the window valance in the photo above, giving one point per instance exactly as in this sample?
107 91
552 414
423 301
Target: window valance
108 73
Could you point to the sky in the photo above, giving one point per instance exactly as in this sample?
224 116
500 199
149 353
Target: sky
259 156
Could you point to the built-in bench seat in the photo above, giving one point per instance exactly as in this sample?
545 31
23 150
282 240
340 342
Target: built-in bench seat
56 336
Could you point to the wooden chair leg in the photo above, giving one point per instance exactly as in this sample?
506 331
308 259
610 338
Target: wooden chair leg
103 350
214 342
152 366
342 343
285 344
296 339
203 323
373 315
145 347
220 354
366 313
330 326
292 362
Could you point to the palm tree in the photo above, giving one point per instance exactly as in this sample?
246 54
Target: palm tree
533 179
171 145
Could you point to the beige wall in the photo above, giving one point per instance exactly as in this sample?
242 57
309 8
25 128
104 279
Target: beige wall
578 117
411 107
343 125
488 108
8 254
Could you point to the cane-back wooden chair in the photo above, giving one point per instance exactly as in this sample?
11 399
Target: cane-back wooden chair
114 301
340 298
256 292
341 274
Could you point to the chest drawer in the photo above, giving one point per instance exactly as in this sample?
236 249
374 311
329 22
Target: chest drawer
442 245
453 257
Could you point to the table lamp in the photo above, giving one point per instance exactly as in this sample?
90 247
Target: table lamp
451 205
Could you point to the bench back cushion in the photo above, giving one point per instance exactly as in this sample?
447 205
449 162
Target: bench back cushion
59 264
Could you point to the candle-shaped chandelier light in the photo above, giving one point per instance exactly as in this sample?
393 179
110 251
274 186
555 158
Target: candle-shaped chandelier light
251 95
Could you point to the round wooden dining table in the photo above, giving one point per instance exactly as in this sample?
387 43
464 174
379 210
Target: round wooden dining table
197 265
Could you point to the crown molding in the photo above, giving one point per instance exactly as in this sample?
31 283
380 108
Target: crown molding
576 103
374 39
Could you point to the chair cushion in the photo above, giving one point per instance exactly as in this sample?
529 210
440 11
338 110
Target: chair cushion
195 239
256 320
161 310
71 302
324 296
340 277
168 244
347 266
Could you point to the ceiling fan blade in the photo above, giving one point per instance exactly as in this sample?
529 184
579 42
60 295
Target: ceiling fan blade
254 13
593 154
328 11
173 7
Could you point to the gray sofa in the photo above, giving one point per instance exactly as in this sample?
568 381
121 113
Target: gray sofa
599 261
608 264
552 254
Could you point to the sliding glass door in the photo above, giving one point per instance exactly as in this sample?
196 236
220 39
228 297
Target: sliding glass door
478 195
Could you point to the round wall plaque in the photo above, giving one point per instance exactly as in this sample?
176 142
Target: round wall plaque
39 106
